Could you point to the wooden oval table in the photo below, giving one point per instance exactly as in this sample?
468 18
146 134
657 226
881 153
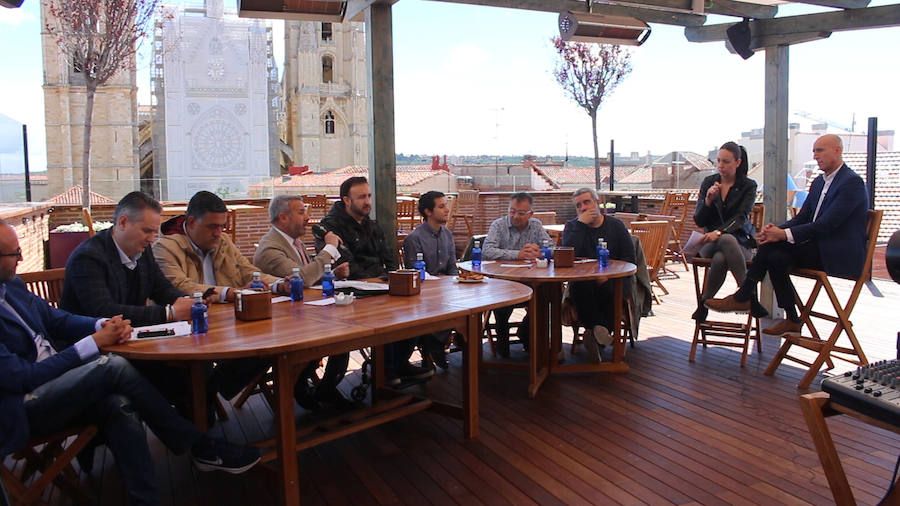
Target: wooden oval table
298 333
545 334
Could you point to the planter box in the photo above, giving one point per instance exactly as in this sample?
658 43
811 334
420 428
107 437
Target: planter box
61 245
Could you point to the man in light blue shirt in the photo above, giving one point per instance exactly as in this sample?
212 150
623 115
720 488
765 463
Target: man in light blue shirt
517 236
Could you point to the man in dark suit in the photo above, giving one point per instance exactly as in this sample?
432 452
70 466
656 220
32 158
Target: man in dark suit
46 387
115 272
829 233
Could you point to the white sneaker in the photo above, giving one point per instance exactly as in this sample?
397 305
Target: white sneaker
602 335
590 343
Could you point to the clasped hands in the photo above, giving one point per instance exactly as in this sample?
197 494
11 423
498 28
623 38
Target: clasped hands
770 233
113 331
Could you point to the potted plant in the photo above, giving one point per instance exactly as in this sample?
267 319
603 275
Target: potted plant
63 240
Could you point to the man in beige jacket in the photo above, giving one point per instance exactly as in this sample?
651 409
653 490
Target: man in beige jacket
278 253
195 256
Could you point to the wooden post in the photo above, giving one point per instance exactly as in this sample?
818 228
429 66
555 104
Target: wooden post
775 148
382 157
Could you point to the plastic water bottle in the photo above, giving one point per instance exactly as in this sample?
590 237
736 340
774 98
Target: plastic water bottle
476 256
257 283
420 265
296 285
199 316
602 255
546 252
327 282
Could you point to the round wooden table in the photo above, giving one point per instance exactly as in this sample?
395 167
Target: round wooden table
297 333
545 334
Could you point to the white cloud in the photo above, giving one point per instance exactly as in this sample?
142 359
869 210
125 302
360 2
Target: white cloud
15 17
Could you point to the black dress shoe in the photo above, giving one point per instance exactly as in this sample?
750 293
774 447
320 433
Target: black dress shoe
439 357
306 399
757 310
700 314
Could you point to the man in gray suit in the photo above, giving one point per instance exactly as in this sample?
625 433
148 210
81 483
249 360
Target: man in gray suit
278 253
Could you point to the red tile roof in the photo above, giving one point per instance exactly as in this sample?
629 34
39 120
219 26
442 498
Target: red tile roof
574 175
406 176
72 197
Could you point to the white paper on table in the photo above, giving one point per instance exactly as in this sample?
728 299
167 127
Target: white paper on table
584 260
517 265
693 245
485 262
280 298
181 329
321 302
359 285
429 276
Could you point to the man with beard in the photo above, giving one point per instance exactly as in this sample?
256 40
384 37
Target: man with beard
369 256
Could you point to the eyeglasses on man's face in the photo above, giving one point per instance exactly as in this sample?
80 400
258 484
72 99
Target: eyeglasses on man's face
17 253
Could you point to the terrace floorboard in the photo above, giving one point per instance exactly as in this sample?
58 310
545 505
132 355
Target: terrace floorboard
667 432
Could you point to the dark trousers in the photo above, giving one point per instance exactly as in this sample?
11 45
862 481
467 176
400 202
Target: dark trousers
594 303
777 259
111 393
501 320
335 369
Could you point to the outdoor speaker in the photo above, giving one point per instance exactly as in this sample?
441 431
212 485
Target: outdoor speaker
739 38
11 4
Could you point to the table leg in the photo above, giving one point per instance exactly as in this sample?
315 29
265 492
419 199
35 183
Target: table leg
812 406
286 432
537 342
554 319
618 343
634 204
471 355
198 394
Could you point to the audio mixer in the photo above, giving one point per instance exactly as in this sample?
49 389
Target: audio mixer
872 390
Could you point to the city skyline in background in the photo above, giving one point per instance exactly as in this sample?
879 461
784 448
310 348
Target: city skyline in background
475 80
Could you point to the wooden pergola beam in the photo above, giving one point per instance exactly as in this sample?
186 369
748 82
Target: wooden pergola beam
652 14
837 4
850 19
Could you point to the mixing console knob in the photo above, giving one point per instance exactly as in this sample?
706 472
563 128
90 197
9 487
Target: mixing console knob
868 390
858 386
877 393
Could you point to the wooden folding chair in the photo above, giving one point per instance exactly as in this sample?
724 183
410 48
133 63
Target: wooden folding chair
654 237
406 214
47 285
316 207
88 220
827 349
676 205
734 334
465 206
49 460
546 217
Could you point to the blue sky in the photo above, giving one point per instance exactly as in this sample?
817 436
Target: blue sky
476 80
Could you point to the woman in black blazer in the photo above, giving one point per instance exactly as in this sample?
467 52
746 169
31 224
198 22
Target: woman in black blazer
723 210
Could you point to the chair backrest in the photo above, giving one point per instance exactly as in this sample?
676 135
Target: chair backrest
654 238
406 208
316 205
547 217
88 220
758 216
676 204
47 285
873 225
466 202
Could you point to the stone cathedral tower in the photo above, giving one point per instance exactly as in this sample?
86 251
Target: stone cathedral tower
114 132
325 94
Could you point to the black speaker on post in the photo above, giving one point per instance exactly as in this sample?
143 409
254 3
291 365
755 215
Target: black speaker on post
11 4
739 38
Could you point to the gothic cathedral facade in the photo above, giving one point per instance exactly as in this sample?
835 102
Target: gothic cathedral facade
325 92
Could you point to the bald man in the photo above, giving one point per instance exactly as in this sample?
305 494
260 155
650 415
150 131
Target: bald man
829 233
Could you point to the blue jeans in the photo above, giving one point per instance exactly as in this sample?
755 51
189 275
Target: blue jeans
111 393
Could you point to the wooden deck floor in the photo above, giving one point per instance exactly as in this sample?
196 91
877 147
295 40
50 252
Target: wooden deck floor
669 431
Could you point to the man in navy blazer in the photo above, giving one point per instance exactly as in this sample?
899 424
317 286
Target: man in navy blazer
114 272
829 233
46 387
